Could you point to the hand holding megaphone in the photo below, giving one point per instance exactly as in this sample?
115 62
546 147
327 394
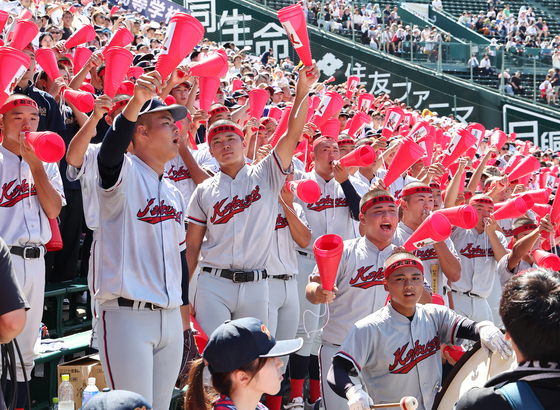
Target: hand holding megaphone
47 146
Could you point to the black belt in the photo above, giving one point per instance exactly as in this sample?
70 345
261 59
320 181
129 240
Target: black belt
26 252
130 303
469 293
238 276
282 277
307 255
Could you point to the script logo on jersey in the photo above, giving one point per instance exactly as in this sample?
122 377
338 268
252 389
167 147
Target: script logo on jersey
365 278
326 203
223 213
12 193
418 352
508 233
154 214
179 174
281 222
426 254
470 251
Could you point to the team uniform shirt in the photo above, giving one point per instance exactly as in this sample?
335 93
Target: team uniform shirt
241 213
283 260
400 357
396 187
88 175
428 255
478 264
359 280
331 212
507 227
23 220
364 180
141 208
505 274
179 175
225 403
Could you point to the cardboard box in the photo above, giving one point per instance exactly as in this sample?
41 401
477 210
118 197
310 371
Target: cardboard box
79 371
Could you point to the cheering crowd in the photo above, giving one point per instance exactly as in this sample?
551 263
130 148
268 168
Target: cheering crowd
210 179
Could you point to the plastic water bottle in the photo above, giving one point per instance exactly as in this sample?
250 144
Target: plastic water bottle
90 391
65 394
54 405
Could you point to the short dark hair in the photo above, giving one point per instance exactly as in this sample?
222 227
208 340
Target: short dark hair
530 311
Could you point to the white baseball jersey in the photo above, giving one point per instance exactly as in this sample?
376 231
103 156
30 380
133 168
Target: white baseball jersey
141 235
364 180
478 265
359 280
178 173
283 260
241 214
507 227
428 255
396 187
88 175
330 214
398 357
23 220
505 274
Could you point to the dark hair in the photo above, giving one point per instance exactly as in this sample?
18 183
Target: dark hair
197 398
530 311
43 35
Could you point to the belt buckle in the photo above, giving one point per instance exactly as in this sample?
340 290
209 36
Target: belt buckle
25 249
154 307
234 277
469 294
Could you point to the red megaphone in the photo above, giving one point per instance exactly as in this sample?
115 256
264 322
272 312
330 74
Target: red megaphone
555 213
329 80
24 32
55 244
83 101
183 33
81 57
208 87
258 97
211 66
275 112
456 352
463 216
541 210
512 208
87 87
459 144
527 166
546 260
478 132
351 85
282 126
25 14
407 155
512 163
512 136
498 139
393 118
330 128
328 252
331 103
427 144
419 130
547 180
362 156
311 106
293 20
83 35
364 102
526 147
48 146
359 120
437 299
529 201
236 84
435 228
133 73
201 338
14 65
47 60
122 38
306 190
4 15
118 62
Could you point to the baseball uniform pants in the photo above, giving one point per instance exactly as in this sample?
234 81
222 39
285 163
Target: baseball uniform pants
310 346
219 299
283 310
494 300
141 351
31 277
93 264
473 307
331 400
